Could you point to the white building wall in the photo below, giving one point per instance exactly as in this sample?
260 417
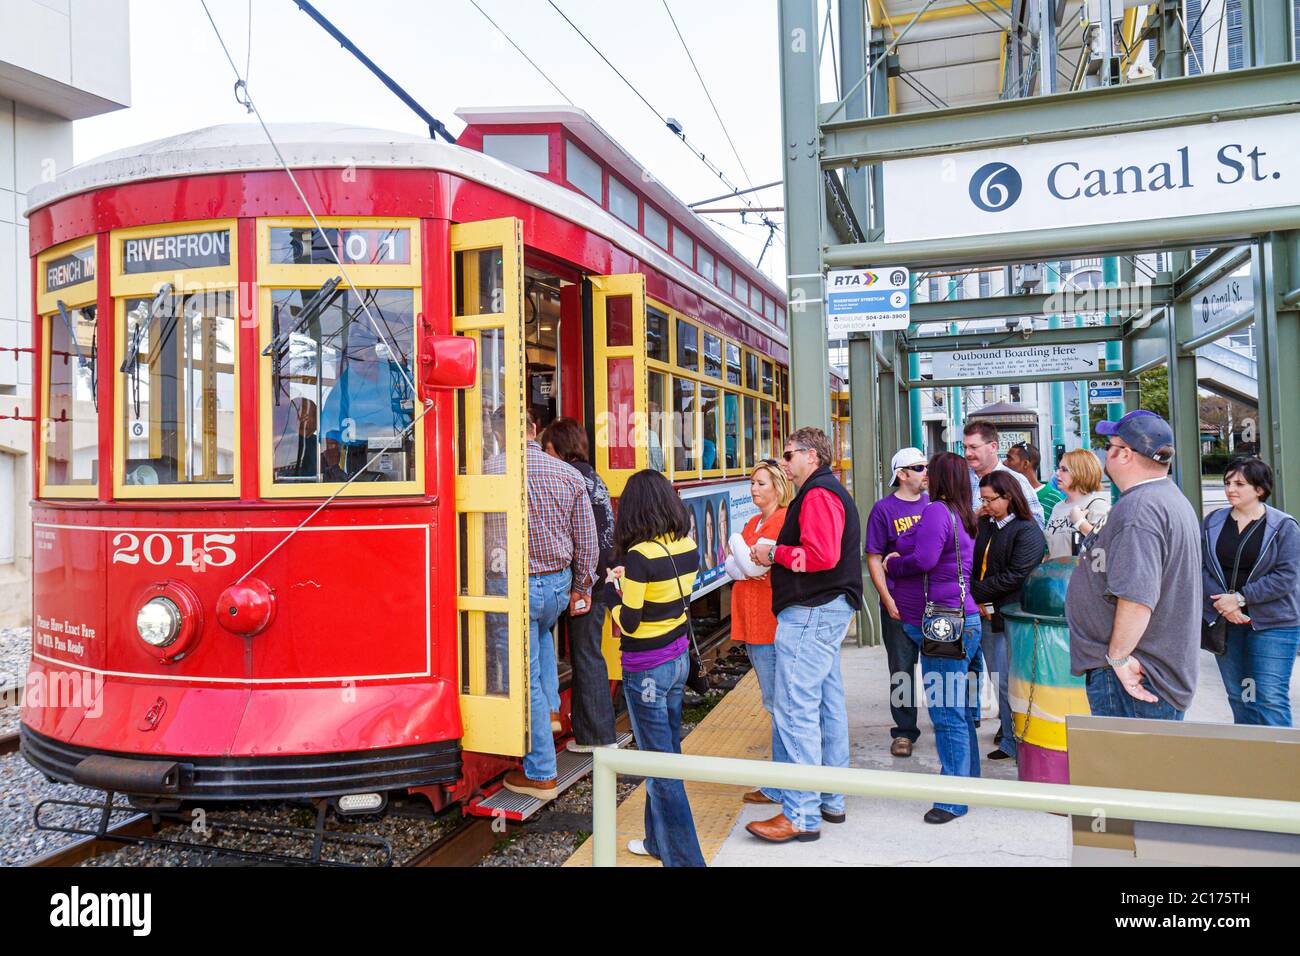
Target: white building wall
60 60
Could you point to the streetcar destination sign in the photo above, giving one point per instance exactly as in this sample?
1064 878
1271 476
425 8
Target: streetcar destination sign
186 250
867 300
1017 361
72 269
1122 177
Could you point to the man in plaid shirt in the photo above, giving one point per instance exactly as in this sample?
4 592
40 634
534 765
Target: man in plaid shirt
562 550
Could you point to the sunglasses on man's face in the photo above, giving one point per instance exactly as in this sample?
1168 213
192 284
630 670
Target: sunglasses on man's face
919 469
792 452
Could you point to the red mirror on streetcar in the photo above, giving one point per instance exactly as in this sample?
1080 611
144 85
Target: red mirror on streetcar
448 361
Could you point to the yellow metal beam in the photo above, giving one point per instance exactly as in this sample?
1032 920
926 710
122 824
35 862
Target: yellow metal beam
881 16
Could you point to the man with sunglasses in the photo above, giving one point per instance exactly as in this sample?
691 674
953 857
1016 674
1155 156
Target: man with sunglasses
890 517
816 588
1134 599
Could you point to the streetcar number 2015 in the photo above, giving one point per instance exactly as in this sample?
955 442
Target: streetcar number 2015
191 550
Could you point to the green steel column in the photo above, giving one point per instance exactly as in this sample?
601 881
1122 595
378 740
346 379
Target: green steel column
853 63
916 429
866 464
1277 329
956 412
1184 407
1082 388
1110 276
887 396
1052 283
805 213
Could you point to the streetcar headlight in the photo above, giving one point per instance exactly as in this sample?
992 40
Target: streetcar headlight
159 622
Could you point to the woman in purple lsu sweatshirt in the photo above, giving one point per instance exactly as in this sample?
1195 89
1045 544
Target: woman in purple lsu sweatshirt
930 548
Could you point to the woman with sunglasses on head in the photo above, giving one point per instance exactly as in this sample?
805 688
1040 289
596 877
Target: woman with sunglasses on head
752 620
932 570
1085 507
1250 577
1008 546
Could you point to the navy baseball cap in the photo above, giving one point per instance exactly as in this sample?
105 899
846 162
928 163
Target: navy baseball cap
1145 432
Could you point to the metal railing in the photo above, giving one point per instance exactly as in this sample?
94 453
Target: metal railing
1192 809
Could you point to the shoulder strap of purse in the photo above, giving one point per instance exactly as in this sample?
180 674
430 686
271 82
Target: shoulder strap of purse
686 607
961 578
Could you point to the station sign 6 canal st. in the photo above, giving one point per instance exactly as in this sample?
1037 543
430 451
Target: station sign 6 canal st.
1019 361
1121 177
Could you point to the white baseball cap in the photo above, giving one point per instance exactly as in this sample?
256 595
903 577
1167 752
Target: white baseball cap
904 458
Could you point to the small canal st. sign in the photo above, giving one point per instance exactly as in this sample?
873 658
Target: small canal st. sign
1019 361
867 300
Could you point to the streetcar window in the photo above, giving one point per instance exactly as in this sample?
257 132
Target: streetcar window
683 425
730 427
688 355
769 310
751 371
756 299
618 321
582 171
709 441
724 276
742 289
480 280
712 355
530 151
621 407
767 378
178 417
750 411
765 427
656 226
623 202
72 410
342 404
704 260
733 364
656 411
683 245
491 395
780 317
656 335
309 246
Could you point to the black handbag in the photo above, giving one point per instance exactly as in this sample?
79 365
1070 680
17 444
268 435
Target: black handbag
1214 634
697 677
941 626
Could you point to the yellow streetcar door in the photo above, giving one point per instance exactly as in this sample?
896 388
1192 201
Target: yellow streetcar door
491 493
619 377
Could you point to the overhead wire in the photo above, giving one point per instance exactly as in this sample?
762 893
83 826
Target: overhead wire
555 86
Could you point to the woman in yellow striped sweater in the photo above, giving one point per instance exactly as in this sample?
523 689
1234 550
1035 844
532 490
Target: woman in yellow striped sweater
657 574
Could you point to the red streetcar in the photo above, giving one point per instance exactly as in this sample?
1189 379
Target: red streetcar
275 523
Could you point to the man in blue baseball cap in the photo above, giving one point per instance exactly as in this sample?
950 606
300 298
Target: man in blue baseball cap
1134 598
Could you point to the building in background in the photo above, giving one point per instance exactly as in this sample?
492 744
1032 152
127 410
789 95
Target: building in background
60 61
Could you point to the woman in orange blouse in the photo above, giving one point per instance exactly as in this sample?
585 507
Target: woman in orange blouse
752 620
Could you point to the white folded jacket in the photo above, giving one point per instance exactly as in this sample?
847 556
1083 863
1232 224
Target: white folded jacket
740 556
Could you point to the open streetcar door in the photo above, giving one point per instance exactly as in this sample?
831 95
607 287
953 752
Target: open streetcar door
619 374
491 490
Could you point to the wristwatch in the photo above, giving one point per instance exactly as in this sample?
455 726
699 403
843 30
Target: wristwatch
1118 661
1241 599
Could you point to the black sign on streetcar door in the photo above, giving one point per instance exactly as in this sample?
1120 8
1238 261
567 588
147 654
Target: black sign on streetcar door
72 269
188 250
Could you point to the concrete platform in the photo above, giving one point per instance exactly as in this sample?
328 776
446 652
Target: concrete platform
891 832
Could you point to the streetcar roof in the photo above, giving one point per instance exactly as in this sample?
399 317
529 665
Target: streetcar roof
243 147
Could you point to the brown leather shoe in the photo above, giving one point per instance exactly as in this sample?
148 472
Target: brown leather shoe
901 747
517 782
756 796
780 830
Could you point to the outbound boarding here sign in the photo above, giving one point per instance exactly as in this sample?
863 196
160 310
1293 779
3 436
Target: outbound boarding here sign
1017 362
1123 177
867 300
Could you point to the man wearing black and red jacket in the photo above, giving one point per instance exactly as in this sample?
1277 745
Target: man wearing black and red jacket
816 588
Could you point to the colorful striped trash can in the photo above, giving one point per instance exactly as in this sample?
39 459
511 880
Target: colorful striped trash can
1041 689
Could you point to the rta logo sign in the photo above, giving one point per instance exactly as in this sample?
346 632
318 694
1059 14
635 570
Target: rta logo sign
995 187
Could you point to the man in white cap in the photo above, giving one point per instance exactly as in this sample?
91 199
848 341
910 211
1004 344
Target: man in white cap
890 517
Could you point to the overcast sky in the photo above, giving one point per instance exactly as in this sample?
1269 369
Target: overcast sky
448 56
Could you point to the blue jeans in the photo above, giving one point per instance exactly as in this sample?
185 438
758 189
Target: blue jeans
952 699
902 654
1256 671
809 709
763 658
548 596
654 703
1108 698
997 654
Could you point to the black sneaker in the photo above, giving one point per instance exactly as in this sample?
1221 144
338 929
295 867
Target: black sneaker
935 815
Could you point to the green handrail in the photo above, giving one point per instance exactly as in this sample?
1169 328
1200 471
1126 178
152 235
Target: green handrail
1192 809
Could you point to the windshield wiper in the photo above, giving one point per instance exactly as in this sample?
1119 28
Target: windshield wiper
131 362
89 312
313 307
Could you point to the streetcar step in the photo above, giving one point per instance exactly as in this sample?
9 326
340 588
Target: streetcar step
517 807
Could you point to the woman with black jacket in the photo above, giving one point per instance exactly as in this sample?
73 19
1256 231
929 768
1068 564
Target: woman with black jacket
1008 546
